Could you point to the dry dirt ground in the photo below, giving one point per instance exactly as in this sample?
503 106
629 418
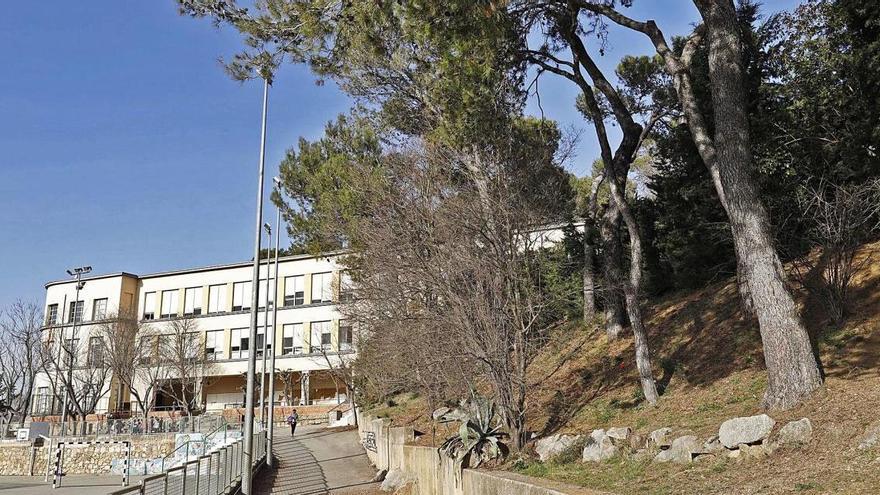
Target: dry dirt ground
707 357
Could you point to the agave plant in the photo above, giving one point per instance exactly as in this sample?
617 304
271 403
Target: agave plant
480 435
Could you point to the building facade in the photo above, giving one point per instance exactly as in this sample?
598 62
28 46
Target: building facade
213 306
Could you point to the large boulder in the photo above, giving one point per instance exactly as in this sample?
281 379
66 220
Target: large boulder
599 447
550 447
682 450
748 430
871 437
795 433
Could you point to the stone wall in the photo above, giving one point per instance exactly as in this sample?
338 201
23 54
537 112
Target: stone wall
16 460
434 474
86 459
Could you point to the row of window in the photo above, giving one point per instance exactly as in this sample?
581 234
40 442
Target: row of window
70 352
75 311
292 340
294 295
292 343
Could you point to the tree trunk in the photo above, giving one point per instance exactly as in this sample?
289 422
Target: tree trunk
632 288
589 284
792 368
612 258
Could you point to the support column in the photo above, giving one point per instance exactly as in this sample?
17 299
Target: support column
304 388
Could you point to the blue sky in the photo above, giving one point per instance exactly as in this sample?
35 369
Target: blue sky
124 146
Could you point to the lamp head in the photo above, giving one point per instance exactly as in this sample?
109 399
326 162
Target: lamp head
79 271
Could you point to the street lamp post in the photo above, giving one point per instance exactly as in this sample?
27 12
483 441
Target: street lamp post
265 330
248 454
271 432
78 273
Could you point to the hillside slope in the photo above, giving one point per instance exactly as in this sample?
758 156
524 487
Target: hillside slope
707 355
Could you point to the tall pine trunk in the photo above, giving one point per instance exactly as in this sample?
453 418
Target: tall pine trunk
612 257
588 275
793 372
631 289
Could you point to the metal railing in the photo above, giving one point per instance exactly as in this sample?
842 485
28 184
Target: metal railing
215 473
210 441
139 426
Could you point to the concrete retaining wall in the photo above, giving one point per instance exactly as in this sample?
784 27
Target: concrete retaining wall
435 474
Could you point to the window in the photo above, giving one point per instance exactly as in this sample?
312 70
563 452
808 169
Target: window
345 336
147 350
259 347
76 312
149 305
292 339
192 301
294 290
217 299
322 289
265 288
169 303
52 314
192 345
96 352
41 399
320 336
346 290
165 349
238 344
71 348
99 309
241 296
214 345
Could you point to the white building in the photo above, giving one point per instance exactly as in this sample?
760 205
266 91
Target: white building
215 301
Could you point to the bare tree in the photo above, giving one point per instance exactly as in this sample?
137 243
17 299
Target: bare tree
76 368
289 379
19 363
182 349
448 277
131 355
839 219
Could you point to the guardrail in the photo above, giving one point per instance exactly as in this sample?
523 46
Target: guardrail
211 474
138 426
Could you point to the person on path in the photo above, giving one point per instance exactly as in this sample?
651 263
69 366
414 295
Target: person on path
291 420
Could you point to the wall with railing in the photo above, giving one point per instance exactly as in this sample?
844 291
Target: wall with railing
214 473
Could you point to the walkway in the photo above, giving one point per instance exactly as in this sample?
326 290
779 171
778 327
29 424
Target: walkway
73 484
318 461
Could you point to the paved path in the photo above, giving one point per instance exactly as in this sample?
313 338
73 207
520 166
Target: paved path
317 462
73 484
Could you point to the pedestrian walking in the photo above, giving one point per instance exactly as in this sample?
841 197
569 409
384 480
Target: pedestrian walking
292 420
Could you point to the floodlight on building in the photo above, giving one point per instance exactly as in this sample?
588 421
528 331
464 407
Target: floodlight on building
78 273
